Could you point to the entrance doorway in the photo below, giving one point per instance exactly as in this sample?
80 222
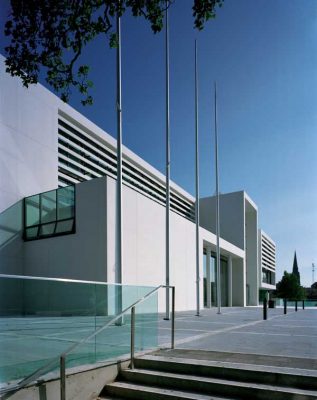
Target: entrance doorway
210 280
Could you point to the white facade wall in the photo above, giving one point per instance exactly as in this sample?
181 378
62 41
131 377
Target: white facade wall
231 212
28 139
251 240
144 245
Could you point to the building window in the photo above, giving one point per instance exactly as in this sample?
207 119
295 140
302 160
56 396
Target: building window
50 213
268 276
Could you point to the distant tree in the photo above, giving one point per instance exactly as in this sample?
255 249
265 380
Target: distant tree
53 33
311 292
289 288
295 268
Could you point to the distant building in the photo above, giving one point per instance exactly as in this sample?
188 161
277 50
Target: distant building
267 264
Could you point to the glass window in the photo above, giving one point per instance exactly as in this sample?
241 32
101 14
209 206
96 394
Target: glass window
66 201
64 226
31 233
50 213
47 229
48 206
32 210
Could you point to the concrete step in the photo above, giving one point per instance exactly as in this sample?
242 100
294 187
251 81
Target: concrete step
214 386
129 390
271 375
241 358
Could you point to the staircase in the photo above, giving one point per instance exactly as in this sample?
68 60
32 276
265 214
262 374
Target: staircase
160 377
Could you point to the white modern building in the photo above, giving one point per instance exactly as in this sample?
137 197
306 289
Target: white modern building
70 232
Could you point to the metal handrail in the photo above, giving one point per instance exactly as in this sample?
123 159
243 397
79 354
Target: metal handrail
65 280
132 308
39 372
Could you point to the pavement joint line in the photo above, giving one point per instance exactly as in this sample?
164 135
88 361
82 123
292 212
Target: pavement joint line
216 332
296 326
185 329
273 334
207 322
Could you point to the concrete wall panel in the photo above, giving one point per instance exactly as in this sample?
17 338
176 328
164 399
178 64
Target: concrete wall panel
231 216
28 139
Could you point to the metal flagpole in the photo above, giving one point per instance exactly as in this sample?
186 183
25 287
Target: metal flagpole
167 282
197 187
217 209
118 273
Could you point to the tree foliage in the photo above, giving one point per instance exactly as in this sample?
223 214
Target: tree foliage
289 288
311 293
53 33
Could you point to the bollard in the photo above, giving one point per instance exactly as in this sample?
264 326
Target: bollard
265 308
285 306
132 336
303 304
295 305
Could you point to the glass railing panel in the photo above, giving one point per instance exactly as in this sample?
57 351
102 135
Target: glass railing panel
146 324
114 341
10 227
40 319
105 347
307 303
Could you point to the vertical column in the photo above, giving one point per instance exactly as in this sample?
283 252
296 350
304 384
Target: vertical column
230 281
118 244
167 215
208 287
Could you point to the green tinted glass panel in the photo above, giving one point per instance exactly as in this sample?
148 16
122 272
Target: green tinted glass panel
64 226
66 200
46 209
41 318
11 224
48 206
47 229
31 233
32 210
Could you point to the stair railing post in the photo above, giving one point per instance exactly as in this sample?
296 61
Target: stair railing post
173 318
63 377
132 336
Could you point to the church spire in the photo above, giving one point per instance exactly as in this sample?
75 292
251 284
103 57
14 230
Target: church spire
295 268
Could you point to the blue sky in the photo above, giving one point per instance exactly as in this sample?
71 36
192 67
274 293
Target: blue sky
263 55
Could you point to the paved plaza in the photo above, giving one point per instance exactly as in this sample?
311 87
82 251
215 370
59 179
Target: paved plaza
243 330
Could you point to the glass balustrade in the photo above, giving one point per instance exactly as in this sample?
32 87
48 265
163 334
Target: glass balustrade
41 318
